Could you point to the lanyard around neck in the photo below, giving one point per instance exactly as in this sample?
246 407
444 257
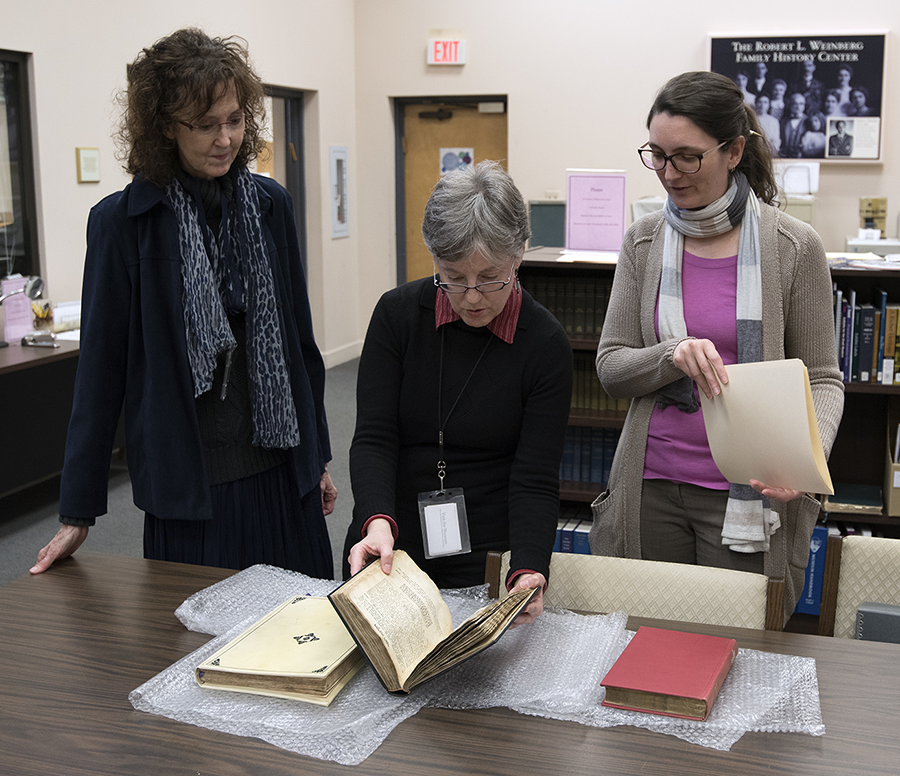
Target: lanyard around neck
442 424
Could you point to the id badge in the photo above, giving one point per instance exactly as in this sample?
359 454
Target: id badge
445 527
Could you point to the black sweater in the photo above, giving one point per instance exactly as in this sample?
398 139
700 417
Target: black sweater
502 443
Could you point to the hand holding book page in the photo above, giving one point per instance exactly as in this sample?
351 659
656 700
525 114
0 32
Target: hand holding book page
762 426
404 627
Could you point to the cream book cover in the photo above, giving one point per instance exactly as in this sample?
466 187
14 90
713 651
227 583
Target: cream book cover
299 650
763 427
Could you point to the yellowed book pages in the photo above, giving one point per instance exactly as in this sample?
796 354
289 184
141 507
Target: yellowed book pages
404 626
299 650
763 427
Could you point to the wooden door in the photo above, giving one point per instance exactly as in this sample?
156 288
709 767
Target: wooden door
424 136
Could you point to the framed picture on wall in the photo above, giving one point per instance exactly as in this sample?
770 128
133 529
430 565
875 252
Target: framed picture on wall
816 96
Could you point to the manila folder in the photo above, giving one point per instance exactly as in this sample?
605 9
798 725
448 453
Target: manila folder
762 426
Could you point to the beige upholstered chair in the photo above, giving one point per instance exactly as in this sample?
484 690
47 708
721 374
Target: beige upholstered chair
644 588
869 571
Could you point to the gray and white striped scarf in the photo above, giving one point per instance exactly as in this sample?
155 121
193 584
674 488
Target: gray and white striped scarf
749 520
236 264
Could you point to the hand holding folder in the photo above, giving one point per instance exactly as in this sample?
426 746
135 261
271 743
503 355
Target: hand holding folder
762 426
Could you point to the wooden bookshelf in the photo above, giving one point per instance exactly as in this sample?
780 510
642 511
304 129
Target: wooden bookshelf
554 284
858 453
597 418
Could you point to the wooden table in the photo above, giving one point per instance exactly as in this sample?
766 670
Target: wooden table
76 640
36 390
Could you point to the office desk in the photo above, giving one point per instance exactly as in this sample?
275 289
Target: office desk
36 390
76 640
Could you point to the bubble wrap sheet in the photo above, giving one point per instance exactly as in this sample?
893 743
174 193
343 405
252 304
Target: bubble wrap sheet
552 668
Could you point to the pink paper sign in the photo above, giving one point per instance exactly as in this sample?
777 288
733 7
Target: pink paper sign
595 210
19 317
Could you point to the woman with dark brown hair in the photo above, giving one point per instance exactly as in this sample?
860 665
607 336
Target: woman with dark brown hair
196 321
719 276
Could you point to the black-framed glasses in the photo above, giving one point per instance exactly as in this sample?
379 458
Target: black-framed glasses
209 128
490 287
685 163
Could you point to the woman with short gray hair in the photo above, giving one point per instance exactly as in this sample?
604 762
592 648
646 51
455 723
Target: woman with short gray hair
476 208
462 401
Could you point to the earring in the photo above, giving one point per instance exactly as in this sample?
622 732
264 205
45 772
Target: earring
517 286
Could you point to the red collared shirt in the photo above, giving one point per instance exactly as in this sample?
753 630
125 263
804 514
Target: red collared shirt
504 325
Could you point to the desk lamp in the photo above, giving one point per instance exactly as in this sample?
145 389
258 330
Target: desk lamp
33 289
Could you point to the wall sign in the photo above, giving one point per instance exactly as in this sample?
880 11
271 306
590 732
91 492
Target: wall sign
817 96
88 164
446 51
340 217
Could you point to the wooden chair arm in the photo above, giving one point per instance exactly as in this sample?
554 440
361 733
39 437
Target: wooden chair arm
492 573
775 604
828 607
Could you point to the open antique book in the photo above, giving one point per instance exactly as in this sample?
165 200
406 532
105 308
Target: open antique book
300 650
404 628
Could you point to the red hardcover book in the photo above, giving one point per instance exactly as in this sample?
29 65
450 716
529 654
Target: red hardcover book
669 672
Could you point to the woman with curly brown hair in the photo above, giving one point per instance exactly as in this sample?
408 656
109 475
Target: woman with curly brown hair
195 319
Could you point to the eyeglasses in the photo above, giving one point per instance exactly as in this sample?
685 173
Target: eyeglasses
685 163
484 288
210 128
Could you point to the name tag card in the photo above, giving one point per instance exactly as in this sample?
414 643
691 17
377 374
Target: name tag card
445 526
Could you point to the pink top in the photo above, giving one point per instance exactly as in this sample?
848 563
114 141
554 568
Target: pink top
677 448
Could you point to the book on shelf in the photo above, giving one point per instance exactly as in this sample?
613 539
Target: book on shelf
566 464
598 457
580 543
877 351
300 650
568 305
762 426
553 297
579 303
604 286
849 315
880 304
567 537
587 455
610 442
404 627
577 449
669 672
891 318
810 600
853 499
590 296
838 299
557 543
865 347
837 302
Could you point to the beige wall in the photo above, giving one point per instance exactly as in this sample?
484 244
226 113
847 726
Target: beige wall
580 75
80 51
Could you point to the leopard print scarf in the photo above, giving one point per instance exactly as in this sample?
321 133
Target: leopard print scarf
236 265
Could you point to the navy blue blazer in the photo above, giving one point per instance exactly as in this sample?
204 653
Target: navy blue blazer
133 354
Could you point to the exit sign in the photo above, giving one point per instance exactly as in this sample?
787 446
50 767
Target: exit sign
442 51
